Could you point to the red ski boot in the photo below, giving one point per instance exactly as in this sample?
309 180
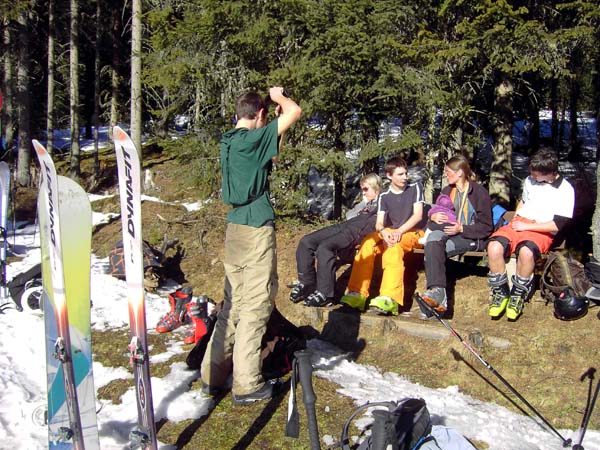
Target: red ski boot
178 314
198 313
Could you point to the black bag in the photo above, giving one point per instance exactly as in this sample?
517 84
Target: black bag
560 272
279 343
405 425
152 264
19 283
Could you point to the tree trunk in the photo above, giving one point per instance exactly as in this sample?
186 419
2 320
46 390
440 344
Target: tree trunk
554 107
596 218
574 93
595 229
50 91
136 74
96 116
74 90
431 157
114 78
500 174
8 110
23 99
534 120
197 109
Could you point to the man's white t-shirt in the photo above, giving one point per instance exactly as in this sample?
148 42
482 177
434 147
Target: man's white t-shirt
543 201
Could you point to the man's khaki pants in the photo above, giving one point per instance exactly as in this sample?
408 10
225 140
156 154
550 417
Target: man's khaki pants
251 273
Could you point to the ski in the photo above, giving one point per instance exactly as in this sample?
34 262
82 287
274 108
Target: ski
4 196
129 190
65 234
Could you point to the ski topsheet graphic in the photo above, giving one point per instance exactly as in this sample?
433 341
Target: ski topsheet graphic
4 196
65 231
129 189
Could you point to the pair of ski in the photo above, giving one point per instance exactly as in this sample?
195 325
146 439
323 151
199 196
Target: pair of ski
65 233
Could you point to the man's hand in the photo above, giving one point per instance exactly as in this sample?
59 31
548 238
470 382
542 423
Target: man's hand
519 225
276 94
390 237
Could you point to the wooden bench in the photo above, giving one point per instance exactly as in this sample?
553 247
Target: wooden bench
507 217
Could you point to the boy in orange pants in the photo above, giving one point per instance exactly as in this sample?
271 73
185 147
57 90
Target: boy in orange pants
400 209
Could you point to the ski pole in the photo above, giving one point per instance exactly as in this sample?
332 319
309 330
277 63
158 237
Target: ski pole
308 396
423 304
589 407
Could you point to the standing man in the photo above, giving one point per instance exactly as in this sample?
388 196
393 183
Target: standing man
546 206
399 211
250 249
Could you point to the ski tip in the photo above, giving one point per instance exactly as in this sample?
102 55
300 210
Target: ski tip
119 134
39 148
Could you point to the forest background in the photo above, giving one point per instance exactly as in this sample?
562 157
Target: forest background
454 75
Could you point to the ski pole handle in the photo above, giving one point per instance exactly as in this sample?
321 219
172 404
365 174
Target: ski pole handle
308 396
379 432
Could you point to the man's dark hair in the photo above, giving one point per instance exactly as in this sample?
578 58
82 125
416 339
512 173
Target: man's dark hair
248 105
393 163
545 161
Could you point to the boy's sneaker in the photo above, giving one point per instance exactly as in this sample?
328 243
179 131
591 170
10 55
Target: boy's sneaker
436 298
498 303
299 291
317 298
267 391
384 305
354 300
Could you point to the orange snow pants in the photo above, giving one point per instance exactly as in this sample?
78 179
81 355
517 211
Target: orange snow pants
392 282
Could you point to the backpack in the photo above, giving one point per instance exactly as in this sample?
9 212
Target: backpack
560 272
404 424
279 343
152 264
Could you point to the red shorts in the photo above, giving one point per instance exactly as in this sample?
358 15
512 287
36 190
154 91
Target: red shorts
543 241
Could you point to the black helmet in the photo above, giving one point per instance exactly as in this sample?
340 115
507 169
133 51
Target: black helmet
568 306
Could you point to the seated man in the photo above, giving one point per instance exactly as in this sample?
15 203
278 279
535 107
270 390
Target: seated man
400 209
316 287
546 206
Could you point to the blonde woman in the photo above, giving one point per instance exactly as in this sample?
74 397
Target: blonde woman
316 286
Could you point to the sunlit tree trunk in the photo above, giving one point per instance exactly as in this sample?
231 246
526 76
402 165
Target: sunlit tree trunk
431 157
74 90
50 91
8 112
595 229
23 99
136 74
501 170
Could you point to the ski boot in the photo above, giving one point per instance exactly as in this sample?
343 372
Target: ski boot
178 314
519 294
317 298
384 305
201 321
299 292
354 300
436 297
499 294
